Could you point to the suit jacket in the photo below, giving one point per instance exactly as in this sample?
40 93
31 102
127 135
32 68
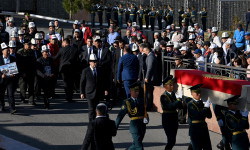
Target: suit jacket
91 87
126 39
69 58
142 63
129 67
84 56
151 67
116 58
105 63
99 134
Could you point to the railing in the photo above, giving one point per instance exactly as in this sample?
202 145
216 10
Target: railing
168 63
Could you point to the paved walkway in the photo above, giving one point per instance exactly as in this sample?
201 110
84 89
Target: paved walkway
64 127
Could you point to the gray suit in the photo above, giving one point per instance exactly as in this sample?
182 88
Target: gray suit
151 75
151 67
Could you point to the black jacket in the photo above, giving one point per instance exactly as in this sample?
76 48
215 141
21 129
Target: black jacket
42 63
68 58
91 87
78 43
26 61
4 37
99 135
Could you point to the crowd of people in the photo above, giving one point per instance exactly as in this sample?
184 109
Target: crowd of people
100 65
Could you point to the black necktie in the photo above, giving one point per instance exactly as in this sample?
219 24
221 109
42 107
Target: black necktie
238 114
94 74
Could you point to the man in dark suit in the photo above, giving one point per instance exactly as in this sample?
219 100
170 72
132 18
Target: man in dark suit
128 69
151 75
104 57
85 53
68 60
92 85
26 57
100 131
142 67
8 82
118 53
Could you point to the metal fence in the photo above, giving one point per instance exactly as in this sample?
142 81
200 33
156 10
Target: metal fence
168 63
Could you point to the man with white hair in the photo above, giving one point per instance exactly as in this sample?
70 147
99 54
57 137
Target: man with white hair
10 28
112 35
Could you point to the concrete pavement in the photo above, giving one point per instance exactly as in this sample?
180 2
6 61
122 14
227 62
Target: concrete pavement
64 126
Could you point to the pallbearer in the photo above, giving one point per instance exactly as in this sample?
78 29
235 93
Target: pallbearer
237 123
197 113
170 103
135 108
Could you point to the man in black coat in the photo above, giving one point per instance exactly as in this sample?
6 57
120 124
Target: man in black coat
118 53
150 76
68 60
104 57
46 75
92 85
100 131
26 63
8 82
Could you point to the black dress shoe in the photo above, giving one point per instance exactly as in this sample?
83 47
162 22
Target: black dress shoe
220 145
13 111
24 101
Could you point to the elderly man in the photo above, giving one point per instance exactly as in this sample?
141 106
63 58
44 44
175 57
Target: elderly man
8 82
216 38
52 31
32 31
10 28
112 35
26 57
46 74
229 55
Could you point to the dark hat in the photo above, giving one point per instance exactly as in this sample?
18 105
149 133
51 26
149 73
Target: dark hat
233 100
168 80
163 43
26 41
196 88
82 22
135 86
197 51
239 26
129 21
207 43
